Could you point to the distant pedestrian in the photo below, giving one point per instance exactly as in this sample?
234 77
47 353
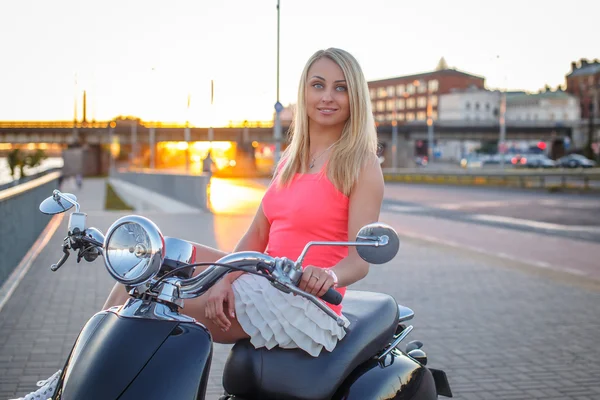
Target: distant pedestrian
207 164
79 181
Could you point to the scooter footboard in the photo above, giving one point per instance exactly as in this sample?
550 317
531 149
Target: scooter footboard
399 377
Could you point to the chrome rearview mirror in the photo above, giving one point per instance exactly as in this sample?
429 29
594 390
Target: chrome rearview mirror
379 243
376 243
58 203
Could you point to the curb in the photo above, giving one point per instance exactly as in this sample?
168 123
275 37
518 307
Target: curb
15 278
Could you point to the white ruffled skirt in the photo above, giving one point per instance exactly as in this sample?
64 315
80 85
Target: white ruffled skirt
274 318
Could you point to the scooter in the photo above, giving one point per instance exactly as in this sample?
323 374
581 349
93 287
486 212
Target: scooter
147 349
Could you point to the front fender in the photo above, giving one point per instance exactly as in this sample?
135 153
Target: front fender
113 354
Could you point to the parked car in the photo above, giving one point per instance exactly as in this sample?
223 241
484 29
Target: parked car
471 161
421 161
575 161
539 161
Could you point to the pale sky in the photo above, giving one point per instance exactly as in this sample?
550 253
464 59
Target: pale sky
143 57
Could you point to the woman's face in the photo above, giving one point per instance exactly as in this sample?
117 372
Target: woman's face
327 101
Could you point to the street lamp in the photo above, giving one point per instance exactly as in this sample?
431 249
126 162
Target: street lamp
278 106
502 121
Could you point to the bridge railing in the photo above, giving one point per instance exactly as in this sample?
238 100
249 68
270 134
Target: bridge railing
21 222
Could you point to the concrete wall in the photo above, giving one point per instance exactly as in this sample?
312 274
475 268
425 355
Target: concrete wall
21 222
188 189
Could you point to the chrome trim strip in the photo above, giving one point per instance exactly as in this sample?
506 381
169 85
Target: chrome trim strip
396 342
148 309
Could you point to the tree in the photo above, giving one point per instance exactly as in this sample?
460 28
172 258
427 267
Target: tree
13 161
16 159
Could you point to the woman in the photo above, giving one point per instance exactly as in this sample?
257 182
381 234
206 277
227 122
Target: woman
327 186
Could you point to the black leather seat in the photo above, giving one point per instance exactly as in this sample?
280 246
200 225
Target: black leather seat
293 374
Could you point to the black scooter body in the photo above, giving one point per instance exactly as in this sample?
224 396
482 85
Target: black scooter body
130 354
397 377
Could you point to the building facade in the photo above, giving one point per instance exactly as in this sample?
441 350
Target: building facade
408 98
546 107
584 82
471 104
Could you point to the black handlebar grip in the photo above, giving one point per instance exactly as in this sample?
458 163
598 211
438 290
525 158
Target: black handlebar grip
332 296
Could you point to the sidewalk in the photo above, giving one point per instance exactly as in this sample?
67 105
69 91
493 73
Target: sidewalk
499 332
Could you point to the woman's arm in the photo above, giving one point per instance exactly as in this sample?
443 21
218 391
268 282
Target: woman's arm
256 238
364 206
365 202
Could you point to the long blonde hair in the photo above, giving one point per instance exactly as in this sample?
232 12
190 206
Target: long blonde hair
358 141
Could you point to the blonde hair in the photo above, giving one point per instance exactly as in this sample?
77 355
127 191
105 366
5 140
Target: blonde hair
358 141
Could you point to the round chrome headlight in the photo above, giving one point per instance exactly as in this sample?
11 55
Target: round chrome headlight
134 250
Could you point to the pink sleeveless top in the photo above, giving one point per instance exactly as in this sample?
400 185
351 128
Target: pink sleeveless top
309 209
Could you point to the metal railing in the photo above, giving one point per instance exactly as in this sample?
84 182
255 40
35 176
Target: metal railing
585 179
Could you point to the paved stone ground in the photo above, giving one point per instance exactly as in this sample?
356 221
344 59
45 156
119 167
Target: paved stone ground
499 331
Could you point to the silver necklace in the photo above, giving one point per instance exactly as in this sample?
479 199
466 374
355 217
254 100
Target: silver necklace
312 163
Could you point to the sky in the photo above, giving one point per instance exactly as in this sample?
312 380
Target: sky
146 58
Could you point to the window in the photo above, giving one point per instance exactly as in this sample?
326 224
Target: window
477 105
399 90
422 87
433 85
422 102
410 88
468 106
391 91
400 104
434 115
487 106
379 118
400 117
380 105
410 116
421 116
433 100
372 93
410 103
389 117
381 93
390 105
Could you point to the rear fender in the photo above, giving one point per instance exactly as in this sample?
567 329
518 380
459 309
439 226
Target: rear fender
396 377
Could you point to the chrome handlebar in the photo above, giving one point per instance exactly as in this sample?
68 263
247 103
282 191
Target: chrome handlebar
286 274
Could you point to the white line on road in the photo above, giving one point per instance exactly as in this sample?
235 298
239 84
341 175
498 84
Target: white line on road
534 224
404 209
535 263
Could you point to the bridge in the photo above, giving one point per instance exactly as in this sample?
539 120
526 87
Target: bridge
136 137
126 131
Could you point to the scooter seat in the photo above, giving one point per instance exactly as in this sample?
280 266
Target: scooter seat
282 374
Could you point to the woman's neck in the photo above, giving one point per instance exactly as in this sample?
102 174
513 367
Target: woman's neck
322 137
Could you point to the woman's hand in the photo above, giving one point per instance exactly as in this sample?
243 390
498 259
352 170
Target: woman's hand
220 300
315 281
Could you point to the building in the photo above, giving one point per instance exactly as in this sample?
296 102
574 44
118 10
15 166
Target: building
584 82
406 98
547 107
470 104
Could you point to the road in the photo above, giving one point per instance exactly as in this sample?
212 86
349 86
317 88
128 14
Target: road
495 311
555 231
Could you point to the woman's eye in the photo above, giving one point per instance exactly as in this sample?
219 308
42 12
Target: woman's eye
318 86
341 88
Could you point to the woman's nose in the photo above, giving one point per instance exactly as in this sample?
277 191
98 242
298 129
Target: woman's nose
327 96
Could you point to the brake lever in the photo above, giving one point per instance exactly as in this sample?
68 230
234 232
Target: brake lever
66 255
